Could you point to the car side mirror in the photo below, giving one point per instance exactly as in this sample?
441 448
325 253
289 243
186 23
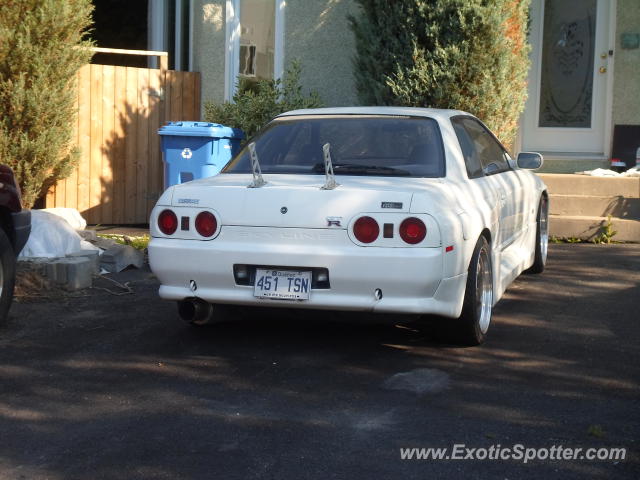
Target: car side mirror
530 160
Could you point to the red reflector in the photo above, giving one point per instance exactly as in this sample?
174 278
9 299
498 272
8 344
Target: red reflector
413 230
206 224
366 229
167 222
449 248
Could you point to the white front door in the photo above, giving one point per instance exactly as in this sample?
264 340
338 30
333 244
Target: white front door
567 108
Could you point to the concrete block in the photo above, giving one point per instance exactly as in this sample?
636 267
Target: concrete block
588 227
88 235
92 255
559 184
35 264
79 273
72 273
57 271
595 206
104 243
119 257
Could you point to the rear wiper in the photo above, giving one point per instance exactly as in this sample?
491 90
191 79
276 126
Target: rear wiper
371 169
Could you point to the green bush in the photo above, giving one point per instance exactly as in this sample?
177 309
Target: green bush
257 102
39 58
470 55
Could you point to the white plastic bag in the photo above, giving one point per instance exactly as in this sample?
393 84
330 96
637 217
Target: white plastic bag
51 236
71 215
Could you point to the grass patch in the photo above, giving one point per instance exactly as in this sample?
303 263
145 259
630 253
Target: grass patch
553 239
140 243
604 237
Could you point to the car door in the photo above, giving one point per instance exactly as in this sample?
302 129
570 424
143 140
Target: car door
501 182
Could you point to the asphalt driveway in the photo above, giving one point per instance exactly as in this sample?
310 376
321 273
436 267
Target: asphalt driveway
108 386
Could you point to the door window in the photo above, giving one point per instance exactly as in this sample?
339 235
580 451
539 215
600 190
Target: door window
568 46
480 148
471 159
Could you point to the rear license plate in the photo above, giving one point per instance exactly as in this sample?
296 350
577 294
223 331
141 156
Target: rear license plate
282 284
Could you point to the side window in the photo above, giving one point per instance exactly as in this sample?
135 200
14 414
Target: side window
490 152
471 159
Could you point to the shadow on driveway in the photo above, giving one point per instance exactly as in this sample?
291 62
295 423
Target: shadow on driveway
102 386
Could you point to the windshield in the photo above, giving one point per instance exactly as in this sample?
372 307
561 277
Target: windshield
360 145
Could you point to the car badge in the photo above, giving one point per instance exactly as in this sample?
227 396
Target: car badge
284 210
334 221
391 205
189 201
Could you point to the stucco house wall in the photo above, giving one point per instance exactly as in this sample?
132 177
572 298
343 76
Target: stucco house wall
209 47
317 33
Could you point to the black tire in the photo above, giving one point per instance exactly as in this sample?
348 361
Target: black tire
7 275
471 327
542 237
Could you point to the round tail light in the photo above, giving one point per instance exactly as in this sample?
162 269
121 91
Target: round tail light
206 224
167 222
413 230
366 229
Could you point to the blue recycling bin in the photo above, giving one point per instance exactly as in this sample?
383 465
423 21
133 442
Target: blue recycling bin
195 150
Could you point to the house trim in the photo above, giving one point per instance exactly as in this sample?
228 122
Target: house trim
157 31
608 121
177 57
231 47
191 44
278 56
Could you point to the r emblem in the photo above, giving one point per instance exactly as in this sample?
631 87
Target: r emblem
334 221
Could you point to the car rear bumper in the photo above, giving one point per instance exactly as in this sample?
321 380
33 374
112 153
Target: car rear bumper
410 278
22 227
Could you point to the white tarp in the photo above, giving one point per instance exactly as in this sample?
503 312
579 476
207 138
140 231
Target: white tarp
52 236
71 215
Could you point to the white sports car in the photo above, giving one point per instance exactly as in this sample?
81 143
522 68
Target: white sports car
379 209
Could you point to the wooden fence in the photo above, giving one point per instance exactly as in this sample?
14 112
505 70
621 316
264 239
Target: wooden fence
119 175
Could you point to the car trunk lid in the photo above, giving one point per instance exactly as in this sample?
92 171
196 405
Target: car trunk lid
293 201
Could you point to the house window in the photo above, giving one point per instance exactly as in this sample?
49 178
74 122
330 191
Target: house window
255 31
257 38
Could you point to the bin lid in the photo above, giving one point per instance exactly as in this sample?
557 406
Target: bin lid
200 129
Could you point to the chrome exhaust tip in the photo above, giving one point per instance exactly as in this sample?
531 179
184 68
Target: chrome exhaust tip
195 310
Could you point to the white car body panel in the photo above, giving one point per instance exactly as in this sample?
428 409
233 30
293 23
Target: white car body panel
417 279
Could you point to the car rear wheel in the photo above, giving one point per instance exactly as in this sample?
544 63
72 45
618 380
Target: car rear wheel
542 237
7 275
473 324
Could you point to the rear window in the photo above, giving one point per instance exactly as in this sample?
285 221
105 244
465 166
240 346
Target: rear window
360 145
